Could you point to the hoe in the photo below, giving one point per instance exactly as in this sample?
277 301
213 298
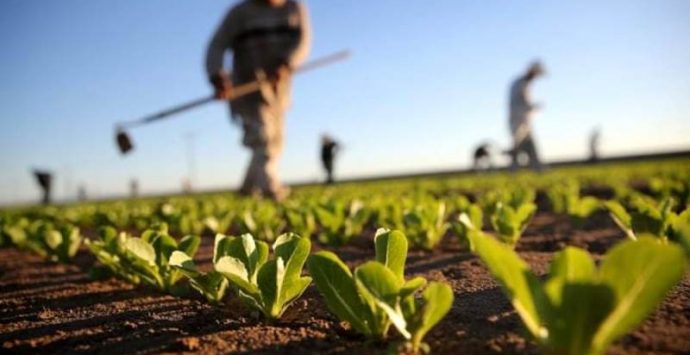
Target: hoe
124 143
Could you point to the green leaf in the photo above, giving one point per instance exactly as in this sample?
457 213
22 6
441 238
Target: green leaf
411 286
53 239
294 250
569 266
270 281
164 245
380 288
235 270
518 282
437 301
190 244
142 250
621 217
184 263
581 309
335 282
640 274
391 250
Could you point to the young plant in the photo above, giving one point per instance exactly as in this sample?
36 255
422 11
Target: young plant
301 220
680 231
341 222
212 285
643 218
425 224
509 223
470 219
42 237
144 259
376 294
269 286
262 219
61 244
580 309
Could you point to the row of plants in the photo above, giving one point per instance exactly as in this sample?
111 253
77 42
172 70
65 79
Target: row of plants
488 216
268 279
577 309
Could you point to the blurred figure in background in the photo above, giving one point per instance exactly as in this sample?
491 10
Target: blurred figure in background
594 142
45 181
267 38
522 111
329 149
133 188
81 193
482 157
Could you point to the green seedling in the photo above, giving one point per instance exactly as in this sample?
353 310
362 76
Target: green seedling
144 259
470 219
425 224
376 294
341 222
269 286
579 309
643 218
509 223
212 285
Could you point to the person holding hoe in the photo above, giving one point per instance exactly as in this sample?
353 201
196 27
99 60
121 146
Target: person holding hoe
268 39
522 111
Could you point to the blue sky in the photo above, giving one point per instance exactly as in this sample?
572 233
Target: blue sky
427 82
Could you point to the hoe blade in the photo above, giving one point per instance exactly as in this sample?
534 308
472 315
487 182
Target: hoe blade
123 142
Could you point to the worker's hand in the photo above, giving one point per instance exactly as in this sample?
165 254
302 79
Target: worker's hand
222 86
282 72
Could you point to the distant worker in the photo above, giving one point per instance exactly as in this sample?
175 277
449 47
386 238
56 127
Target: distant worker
522 111
133 188
329 150
482 157
81 193
45 181
594 141
267 38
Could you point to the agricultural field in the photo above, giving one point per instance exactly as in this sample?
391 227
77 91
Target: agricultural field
579 260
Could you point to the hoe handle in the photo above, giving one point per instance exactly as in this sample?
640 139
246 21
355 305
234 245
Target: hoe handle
237 92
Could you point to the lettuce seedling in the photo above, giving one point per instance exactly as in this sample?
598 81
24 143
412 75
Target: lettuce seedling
144 259
341 222
471 219
376 294
58 244
301 220
580 309
425 224
269 286
212 285
644 217
509 223
263 219
62 244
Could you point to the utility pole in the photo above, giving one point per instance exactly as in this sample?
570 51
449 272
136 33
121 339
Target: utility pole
191 161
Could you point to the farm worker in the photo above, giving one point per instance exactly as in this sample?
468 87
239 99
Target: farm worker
45 181
594 141
522 111
267 38
329 149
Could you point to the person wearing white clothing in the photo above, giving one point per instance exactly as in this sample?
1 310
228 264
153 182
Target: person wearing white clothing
522 111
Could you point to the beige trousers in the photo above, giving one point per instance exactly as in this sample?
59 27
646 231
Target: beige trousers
263 135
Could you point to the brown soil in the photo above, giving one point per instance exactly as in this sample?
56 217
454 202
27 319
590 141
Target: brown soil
51 308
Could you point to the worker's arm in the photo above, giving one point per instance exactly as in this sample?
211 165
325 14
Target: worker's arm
304 43
220 43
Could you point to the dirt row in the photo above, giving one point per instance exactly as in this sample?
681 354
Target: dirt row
52 308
